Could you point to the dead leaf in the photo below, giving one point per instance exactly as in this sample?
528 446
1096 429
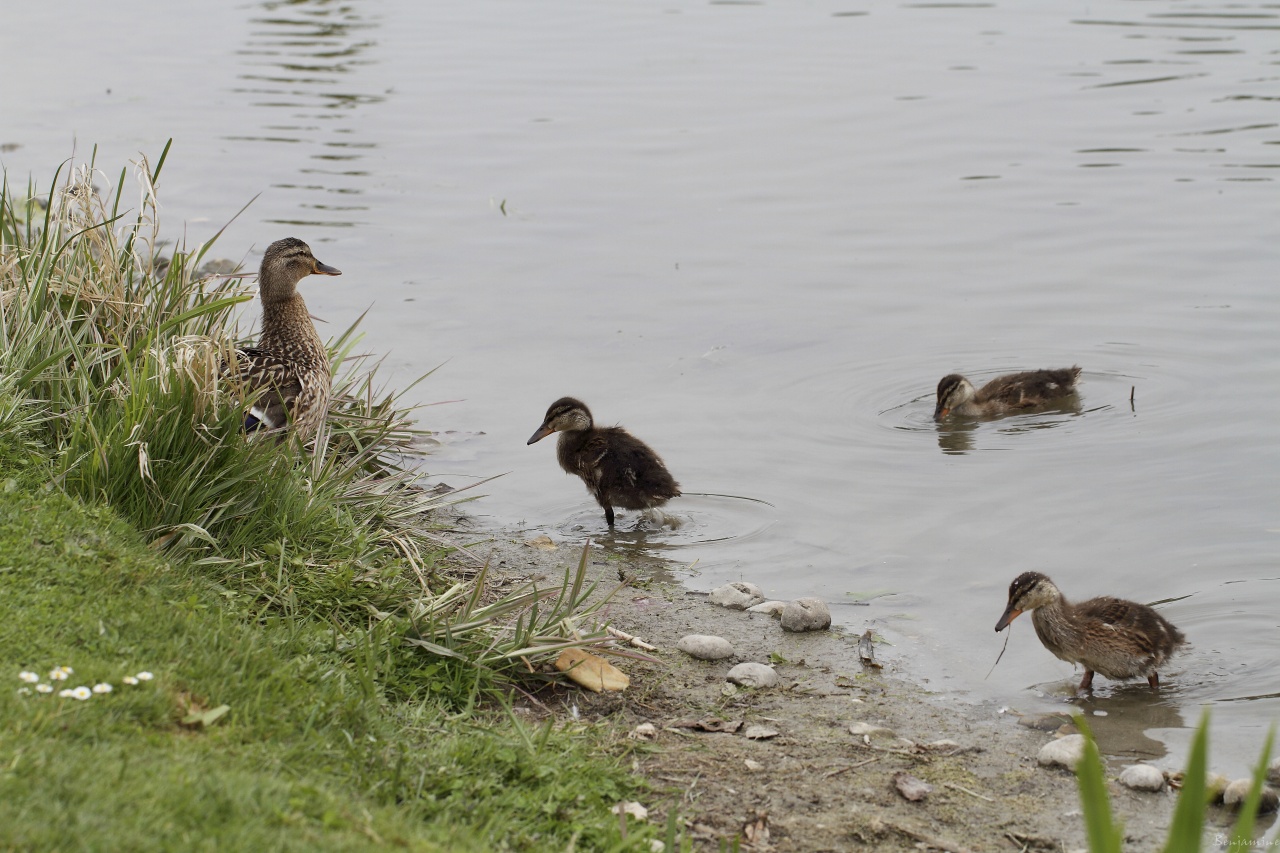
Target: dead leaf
867 649
542 543
910 787
760 733
198 718
757 831
591 671
632 808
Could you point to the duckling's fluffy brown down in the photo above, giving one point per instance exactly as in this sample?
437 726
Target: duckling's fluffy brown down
617 468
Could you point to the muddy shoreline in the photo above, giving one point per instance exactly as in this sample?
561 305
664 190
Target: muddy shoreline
815 785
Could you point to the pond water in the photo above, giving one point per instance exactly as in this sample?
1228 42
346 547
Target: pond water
757 234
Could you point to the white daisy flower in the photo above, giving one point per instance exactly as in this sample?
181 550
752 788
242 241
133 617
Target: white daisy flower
44 688
59 674
24 691
29 677
81 693
65 694
145 676
130 680
102 688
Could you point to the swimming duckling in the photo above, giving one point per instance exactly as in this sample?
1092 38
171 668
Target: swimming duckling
290 363
618 468
1014 392
1120 639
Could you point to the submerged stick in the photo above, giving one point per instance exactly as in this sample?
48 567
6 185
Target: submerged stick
997 663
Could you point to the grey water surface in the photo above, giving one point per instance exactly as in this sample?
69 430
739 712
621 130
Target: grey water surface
757 234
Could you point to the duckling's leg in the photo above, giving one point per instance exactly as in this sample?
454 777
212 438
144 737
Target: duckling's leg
608 514
1086 683
1154 680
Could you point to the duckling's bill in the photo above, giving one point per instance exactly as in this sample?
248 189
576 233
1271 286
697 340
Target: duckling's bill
325 269
541 433
1010 614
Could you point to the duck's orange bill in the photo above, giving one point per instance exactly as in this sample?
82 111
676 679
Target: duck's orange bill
1010 614
542 432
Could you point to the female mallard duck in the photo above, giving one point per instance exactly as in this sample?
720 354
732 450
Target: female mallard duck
1120 639
618 468
1015 392
290 365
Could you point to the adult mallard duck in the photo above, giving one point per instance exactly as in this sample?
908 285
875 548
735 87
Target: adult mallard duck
1120 639
1015 392
289 367
618 468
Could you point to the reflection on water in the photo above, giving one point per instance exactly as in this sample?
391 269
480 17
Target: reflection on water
304 66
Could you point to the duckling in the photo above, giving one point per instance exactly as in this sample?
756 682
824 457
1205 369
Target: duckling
618 468
290 364
1014 392
1120 639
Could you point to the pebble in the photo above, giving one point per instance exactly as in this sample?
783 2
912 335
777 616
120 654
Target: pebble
753 675
738 595
870 730
753 765
1065 751
1142 777
645 731
1237 791
806 614
705 647
773 608
760 733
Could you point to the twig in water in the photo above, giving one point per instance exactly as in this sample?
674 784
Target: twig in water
997 663
967 791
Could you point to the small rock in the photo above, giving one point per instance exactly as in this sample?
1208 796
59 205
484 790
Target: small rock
1273 772
542 543
753 675
1066 751
736 596
705 647
753 765
1236 792
773 608
644 731
869 730
760 733
806 614
1142 777
911 788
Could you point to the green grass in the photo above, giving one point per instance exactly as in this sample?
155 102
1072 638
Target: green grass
299 587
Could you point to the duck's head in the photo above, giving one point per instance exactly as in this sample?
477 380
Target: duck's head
1028 591
285 263
954 390
565 415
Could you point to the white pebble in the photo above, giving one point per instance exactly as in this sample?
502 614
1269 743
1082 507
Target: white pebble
773 608
705 647
1065 751
752 675
1142 777
806 614
736 596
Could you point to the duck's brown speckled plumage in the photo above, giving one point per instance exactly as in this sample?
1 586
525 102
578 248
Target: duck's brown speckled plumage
1015 392
618 468
1120 639
289 366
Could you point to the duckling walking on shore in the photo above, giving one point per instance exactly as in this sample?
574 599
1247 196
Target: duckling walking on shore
1016 392
290 365
618 468
1120 639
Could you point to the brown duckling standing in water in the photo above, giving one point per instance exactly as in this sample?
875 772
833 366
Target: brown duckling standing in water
618 468
1120 639
290 365
1015 392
